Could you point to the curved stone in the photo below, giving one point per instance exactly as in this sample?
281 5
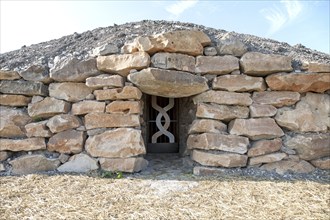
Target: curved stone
168 83
302 82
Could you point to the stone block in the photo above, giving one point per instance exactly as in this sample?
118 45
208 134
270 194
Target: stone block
14 100
319 67
219 159
79 163
74 70
32 164
216 65
105 49
105 120
125 107
309 146
122 63
230 45
4 155
210 51
105 80
173 61
239 83
72 92
311 114
128 92
12 122
48 107
128 165
322 163
301 82
258 64
36 73
223 98
67 142
38 129
284 166
211 141
168 83
259 111
263 147
120 142
22 87
22 144
255 129
277 99
9 75
268 158
63 122
87 106
207 126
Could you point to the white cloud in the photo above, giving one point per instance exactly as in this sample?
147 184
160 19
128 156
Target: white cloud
177 8
279 17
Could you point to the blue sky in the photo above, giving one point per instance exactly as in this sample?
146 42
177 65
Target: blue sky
30 22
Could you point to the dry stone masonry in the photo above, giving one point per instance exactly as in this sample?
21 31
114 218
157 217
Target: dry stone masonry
250 108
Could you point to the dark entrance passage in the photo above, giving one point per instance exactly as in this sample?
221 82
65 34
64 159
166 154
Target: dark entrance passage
162 125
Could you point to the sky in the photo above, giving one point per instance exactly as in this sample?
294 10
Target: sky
295 22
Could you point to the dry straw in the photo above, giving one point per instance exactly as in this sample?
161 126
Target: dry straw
84 197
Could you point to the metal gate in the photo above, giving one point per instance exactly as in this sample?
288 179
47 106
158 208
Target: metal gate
162 125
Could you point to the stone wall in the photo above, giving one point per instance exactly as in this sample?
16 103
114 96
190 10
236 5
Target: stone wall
250 109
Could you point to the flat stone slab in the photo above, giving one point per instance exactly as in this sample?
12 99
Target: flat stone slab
105 120
256 129
276 98
284 166
38 73
259 111
27 144
322 163
117 143
87 106
9 75
14 100
239 83
22 87
258 64
173 61
38 129
268 158
68 91
224 98
216 65
105 80
299 82
319 67
48 107
128 165
79 163
63 122
211 141
207 126
168 83
125 107
263 147
67 142
128 92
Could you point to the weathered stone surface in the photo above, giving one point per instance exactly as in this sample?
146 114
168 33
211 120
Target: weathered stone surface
277 99
36 99
224 98
48 107
207 126
63 122
312 113
36 73
189 42
239 83
79 163
38 129
4 155
74 70
255 129
87 106
219 159
216 65
319 67
210 141
12 122
14 100
2 167
121 142
125 107
221 112
301 82
310 146
67 142
258 111
9 75
128 92
69 91
168 83
105 120
105 80
123 63
284 166
230 45
32 164
210 51
105 49
129 165
22 144
173 61
258 64
269 158
64 158
263 147
22 87
322 163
